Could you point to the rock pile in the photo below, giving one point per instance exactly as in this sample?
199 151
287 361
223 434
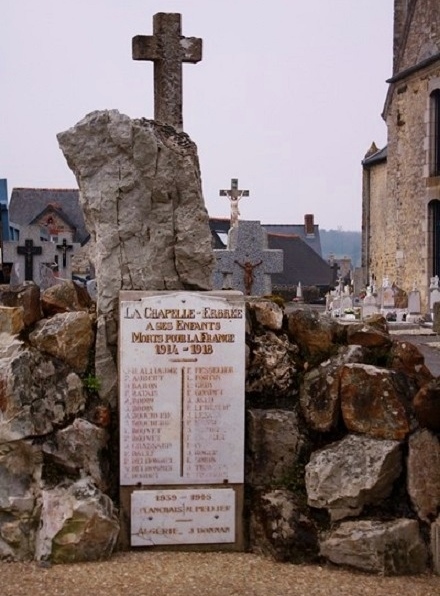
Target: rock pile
342 455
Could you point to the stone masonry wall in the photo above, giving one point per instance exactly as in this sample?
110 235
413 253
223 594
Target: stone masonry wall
342 447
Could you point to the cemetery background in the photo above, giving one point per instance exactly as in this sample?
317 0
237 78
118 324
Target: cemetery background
314 385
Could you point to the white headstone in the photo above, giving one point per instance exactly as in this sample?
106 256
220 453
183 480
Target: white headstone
414 302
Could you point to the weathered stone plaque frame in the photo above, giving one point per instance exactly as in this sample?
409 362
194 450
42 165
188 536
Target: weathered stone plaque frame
181 405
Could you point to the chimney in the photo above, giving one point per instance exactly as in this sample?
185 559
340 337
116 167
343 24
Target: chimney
309 224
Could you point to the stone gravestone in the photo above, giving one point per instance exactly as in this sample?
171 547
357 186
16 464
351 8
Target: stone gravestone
434 292
247 263
182 363
387 296
369 304
30 255
414 305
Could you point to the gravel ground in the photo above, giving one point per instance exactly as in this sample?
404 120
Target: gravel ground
201 574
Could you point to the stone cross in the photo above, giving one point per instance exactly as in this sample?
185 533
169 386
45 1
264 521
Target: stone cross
32 254
234 195
247 264
167 48
64 247
29 250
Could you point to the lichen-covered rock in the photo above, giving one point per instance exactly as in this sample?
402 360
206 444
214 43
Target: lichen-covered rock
276 445
312 333
20 473
65 297
36 392
349 474
280 527
406 358
78 448
319 392
142 199
386 548
267 313
78 523
271 369
26 296
376 401
427 405
368 336
423 475
67 336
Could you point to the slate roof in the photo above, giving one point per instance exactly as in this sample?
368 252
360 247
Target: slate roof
375 158
312 240
28 203
301 263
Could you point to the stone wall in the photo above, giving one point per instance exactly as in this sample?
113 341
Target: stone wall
399 235
342 438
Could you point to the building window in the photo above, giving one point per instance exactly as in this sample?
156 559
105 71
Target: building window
435 133
434 236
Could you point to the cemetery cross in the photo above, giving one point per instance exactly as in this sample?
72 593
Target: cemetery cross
167 48
64 247
234 195
29 250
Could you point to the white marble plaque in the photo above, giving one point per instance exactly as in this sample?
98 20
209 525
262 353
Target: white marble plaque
182 367
182 516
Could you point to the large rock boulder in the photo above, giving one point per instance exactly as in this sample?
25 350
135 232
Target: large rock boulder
143 206
20 475
276 445
427 405
78 523
271 366
376 401
405 357
26 296
349 474
280 527
423 475
66 336
37 392
319 392
386 548
313 334
65 297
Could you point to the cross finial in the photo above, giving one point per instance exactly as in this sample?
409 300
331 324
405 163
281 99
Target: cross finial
234 195
167 48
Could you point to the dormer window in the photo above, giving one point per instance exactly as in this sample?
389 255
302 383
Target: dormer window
435 133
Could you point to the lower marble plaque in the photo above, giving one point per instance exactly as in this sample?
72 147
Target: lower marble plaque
182 516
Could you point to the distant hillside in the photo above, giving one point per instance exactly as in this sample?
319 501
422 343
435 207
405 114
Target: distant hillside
341 244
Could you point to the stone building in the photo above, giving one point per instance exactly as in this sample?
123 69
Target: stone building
401 183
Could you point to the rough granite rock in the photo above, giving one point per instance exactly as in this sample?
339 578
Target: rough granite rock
386 548
313 334
271 368
36 392
78 448
65 297
78 523
276 445
143 206
267 313
319 392
423 476
376 401
28 297
67 336
281 528
11 319
427 405
348 474
20 474
407 358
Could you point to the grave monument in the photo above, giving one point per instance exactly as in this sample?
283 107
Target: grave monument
181 353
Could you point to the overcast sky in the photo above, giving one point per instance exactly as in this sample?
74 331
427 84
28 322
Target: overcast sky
288 96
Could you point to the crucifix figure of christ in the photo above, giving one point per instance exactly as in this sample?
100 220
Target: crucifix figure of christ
64 247
248 275
234 195
29 250
167 48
